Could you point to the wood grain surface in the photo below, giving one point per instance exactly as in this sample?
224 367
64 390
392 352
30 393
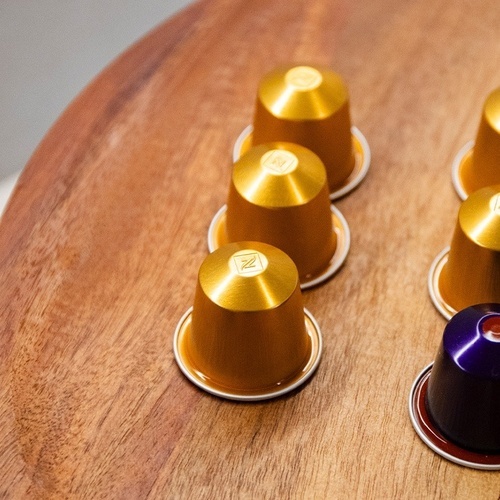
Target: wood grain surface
101 243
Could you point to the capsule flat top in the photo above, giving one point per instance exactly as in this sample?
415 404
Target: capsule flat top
302 92
279 174
248 276
491 328
472 339
479 217
492 110
303 78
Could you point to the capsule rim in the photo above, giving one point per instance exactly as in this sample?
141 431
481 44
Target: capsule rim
435 270
312 330
460 163
432 436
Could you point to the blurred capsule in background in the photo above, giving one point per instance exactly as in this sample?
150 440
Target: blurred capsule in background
468 272
477 164
310 106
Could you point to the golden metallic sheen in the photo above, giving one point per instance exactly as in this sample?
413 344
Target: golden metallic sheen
307 106
302 93
248 329
248 277
279 175
472 273
278 194
482 167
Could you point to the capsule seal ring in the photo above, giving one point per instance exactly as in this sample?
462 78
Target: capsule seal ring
432 436
461 162
362 158
196 377
433 284
216 235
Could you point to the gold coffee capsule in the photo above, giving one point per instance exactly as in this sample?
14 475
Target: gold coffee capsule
477 165
310 106
247 335
468 272
278 194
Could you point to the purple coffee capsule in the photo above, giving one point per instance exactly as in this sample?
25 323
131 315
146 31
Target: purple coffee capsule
455 403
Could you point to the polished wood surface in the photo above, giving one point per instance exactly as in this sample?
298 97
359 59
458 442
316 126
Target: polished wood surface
101 243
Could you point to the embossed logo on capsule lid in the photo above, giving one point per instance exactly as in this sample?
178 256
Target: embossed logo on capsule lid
248 263
304 78
279 162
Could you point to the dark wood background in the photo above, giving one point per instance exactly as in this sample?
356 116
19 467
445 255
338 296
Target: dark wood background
101 243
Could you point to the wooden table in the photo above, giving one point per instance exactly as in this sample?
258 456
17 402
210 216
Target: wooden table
102 240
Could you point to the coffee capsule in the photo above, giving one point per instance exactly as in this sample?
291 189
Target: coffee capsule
247 336
278 194
468 272
455 402
310 106
477 164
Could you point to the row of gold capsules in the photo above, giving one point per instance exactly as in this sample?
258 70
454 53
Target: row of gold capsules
455 402
248 336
